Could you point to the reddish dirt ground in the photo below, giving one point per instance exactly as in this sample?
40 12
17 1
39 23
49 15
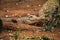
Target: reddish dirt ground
21 8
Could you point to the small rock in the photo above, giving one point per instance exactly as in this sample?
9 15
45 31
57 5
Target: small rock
10 34
16 3
52 28
28 14
39 5
47 10
7 10
9 30
28 5
6 16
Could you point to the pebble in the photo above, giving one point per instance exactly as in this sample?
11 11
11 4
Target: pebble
47 10
16 3
7 10
43 29
39 5
28 14
10 34
52 27
28 5
9 30
6 16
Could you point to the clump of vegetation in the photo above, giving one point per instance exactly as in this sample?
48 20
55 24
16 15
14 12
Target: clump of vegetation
16 35
46 0
1 25
30 38
46 38
52 19
38 38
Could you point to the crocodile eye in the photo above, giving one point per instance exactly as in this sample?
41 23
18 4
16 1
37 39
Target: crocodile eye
14 21
31 16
